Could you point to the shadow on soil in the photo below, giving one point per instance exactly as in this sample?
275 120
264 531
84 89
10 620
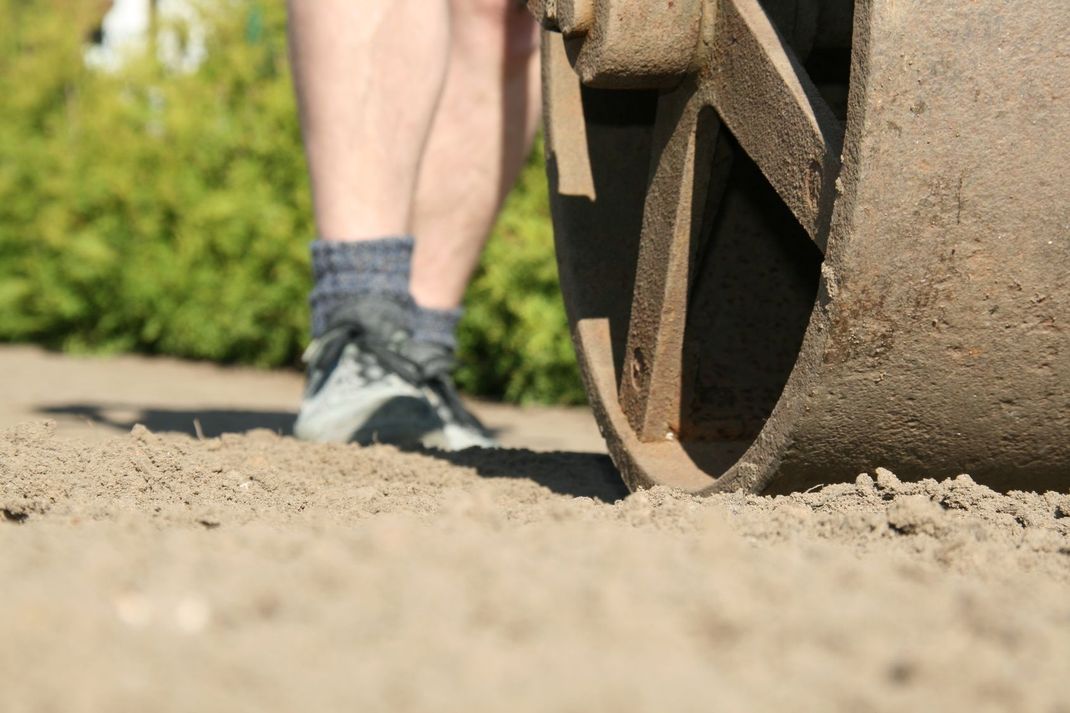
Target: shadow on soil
581 475
588 475
212 423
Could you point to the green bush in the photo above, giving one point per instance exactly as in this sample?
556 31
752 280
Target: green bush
167 212
514 338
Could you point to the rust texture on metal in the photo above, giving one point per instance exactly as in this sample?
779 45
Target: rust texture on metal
776 319
667 249
775 112
631 44
569 17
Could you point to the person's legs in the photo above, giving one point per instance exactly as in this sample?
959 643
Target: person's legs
368 75
368 86
479 140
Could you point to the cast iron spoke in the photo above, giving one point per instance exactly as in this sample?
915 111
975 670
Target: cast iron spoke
768 102
672 223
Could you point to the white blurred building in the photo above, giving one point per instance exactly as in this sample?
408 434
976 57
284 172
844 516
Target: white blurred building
126 29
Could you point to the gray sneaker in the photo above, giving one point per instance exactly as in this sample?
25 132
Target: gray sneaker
460 428
369 383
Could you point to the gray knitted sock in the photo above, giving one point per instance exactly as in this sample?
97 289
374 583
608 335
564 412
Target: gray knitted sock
344 270
436 326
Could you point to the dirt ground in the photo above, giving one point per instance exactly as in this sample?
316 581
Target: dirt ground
248 572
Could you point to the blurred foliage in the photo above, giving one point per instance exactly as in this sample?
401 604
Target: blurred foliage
168 212
516 319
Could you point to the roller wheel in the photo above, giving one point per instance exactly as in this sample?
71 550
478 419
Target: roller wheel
751 314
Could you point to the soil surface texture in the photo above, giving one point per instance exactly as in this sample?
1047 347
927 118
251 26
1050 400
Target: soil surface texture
251 572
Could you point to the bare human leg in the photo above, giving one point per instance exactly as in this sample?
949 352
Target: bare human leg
372 82
369 74
481 134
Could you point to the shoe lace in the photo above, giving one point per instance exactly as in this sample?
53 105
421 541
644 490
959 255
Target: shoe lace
436 363
420 364
327 350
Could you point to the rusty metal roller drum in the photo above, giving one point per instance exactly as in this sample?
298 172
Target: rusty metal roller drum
805 238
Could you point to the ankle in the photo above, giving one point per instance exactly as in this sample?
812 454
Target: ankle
436 326
347 271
